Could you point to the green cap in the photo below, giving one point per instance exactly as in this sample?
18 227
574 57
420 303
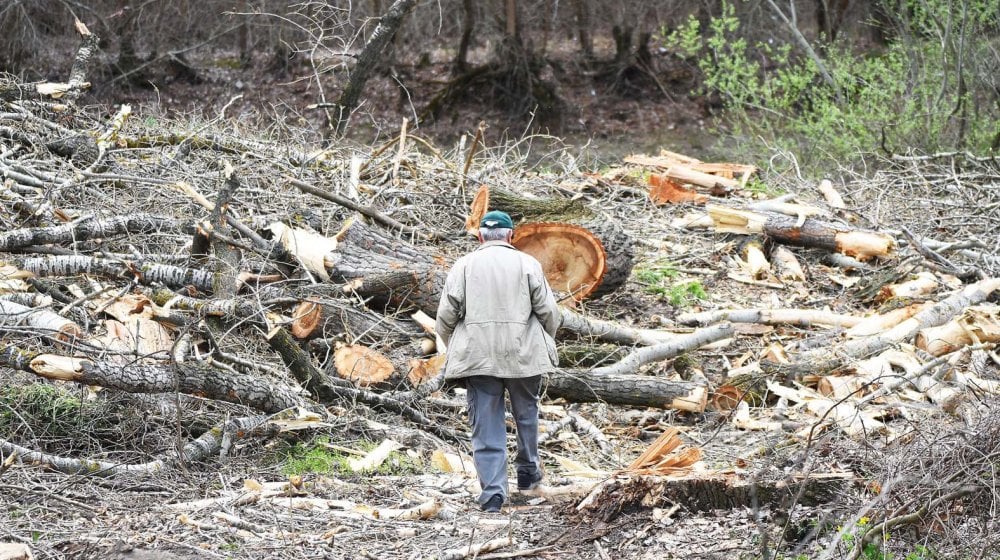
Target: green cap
495 219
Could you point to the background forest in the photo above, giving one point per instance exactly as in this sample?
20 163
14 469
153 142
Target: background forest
830 80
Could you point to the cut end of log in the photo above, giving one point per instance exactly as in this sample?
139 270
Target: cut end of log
696 401
308 316
572 257
864 245
726 397
480 205
362 365
424 370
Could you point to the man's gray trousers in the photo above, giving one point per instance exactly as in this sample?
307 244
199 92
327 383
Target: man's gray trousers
485 395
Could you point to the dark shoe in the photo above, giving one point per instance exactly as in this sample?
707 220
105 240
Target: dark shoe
493 504
527 480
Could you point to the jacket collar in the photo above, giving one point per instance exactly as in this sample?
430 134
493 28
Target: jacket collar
496 244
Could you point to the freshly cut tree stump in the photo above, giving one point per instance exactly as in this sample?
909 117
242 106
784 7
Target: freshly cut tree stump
714 490
573 259
616 243
362 365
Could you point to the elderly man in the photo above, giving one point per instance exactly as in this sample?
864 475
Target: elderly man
498 318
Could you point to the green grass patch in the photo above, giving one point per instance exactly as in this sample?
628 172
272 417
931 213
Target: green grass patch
656 276
683 294
317 458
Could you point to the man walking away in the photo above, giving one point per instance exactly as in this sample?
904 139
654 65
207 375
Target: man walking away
498 317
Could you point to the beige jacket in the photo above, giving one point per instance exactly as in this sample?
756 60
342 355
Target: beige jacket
497 315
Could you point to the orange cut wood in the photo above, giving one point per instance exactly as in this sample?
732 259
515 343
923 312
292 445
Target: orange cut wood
423 370
307 317
662 190
362 365
572 257
480 205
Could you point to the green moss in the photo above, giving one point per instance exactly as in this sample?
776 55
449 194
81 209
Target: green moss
41 403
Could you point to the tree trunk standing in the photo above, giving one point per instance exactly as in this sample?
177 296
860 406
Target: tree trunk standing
461 63
127 57
830 17
582 11
387 26
243 36
623 43
513 27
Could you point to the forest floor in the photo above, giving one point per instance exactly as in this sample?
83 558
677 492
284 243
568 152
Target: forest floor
251 504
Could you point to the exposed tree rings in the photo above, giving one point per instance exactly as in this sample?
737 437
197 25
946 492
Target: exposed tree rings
572 257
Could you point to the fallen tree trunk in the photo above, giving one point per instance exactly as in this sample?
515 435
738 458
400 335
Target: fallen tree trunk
822 360
682 343
796 317
86 229
715 490
803 232
200 448
143 272
191 378
626 390
46 321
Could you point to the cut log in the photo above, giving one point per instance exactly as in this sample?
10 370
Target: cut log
881 323
362 366
47 322
87 229
617 245
627 390
422 370
827 359
977 325
831 195
144 272
752 252
797 317
811 233
390 270
786 265
572 258
15 551
191 378
924 284
330 317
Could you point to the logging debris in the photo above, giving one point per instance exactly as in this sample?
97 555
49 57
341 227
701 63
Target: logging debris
143 270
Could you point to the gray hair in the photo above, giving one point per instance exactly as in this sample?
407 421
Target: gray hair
495 234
